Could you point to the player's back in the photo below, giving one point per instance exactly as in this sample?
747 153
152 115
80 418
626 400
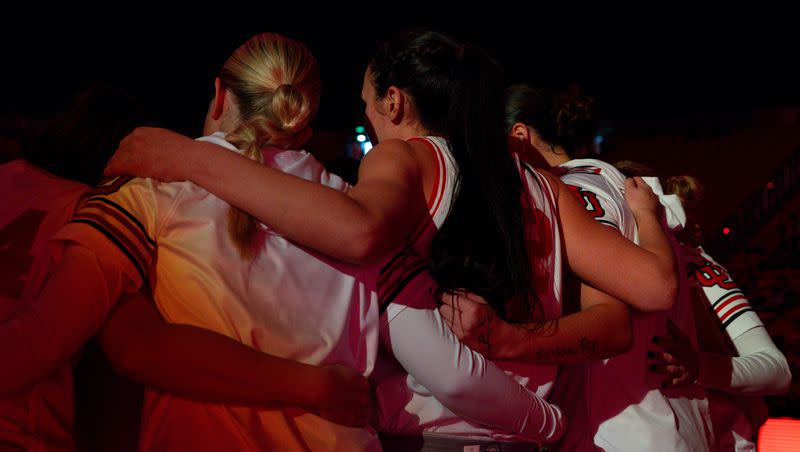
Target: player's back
284 300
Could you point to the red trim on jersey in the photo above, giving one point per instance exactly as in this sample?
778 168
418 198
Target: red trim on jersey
112 187
727 302
437 183
398 273
402 260
559 171
389 292
121 227
113 210
437 194
142 257
441 172
545 187
736 308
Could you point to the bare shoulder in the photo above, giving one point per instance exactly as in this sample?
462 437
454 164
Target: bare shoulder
555 183
390 155
393 148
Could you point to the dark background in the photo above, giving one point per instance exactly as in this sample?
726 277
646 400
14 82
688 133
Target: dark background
712 93
667 62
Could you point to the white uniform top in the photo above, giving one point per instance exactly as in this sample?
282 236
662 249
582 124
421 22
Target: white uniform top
723 294
287 302
757 363
615 404
414 400
35 205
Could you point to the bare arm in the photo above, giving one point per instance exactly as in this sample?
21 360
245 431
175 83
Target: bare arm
70 309
360 226
642 276
199 364
601 329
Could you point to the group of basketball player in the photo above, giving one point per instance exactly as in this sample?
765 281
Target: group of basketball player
476 289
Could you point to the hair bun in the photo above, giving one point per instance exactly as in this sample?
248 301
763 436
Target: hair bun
289 108
573 113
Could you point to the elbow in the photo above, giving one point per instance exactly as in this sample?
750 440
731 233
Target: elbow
366 246
784 380
119 358
453 395
454 392
364 250
670 279
670 291
122 354
785 383
126 363
664 294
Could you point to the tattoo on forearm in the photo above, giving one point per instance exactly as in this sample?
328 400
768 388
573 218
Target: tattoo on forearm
585 347
484 337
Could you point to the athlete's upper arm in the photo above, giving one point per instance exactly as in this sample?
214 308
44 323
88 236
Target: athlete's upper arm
121 221
390 191
606 260
71 308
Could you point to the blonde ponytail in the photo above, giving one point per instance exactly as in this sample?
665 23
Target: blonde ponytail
276 84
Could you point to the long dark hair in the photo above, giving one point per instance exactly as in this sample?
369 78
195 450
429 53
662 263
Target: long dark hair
561 119
457 90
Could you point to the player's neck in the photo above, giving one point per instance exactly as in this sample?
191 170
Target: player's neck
556 156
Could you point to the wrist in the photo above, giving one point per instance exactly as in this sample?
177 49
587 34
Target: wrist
309 387
644 212
503 340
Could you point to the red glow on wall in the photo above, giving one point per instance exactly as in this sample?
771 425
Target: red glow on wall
779 435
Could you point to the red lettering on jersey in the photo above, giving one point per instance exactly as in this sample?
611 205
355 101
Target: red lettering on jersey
711 274
16 241
589 201
584 169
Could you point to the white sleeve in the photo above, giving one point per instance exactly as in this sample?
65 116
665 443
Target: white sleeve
723 294
464 381
760 367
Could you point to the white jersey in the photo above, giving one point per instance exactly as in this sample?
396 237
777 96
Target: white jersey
405 405
287 301
616 404
723 294
735 316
